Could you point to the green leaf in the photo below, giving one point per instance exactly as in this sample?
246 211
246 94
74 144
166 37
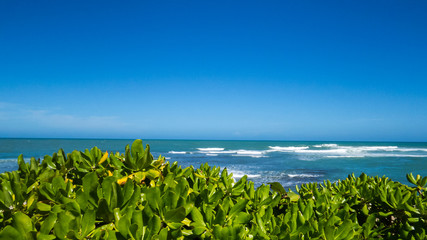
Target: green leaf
197 217
370 221
300 217
238 207
88 222
116 162
153 198
43 207
136 196
135 231
109 190
137 151
220 216
42 236
410 208
10 232
58 183
411 178
122 223
242 218
34 165
174 225
277 187
22 223
344 229
128 191
260 223
199 230
423 182
104 210
154 224
46 191
383 214
329 233
82 199
90 183
365 210
90 186
216 196
153 173
163 235
47 162
239 187
148 158
22 165
175 215
129 160
293 196
62 225
48 223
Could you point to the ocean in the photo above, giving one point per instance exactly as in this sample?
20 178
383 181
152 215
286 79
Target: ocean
290 163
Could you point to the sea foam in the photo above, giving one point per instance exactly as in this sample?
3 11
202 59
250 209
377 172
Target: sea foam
12 159
326 145
285 149
240 174
177 152
210 149
303 175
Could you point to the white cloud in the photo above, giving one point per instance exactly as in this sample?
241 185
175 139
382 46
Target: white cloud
55 120
15 116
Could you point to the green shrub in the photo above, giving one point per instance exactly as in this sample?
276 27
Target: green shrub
97 195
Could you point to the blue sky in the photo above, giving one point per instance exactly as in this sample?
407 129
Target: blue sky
285 70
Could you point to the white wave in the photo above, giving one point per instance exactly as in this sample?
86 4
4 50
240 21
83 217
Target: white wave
16 159
362 155
240 174
249 153
215 151
210 149
345 156
349 151
241 152
218 152
223 152
12 160
337 151
285 149
412 149
329 145
308 159
304 175
315 152
177 152
372 148
167 158
395 155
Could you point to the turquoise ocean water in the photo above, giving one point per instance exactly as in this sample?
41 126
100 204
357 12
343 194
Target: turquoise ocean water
289 163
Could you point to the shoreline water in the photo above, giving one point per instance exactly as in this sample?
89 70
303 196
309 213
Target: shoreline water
287 162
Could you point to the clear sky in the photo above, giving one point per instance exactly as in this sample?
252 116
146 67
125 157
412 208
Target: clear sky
285 70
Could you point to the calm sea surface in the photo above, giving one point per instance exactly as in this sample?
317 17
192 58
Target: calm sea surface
289 163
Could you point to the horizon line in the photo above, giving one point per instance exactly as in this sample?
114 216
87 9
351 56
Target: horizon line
204 139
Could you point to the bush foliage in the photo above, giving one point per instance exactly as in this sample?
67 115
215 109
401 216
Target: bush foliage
98 195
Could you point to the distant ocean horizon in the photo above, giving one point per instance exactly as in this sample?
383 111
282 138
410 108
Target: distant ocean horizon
288 162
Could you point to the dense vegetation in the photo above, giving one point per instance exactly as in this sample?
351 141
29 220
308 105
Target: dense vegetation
95 194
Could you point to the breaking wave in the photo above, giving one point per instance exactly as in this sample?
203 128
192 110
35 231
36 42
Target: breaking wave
240 174
177 152
303 175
